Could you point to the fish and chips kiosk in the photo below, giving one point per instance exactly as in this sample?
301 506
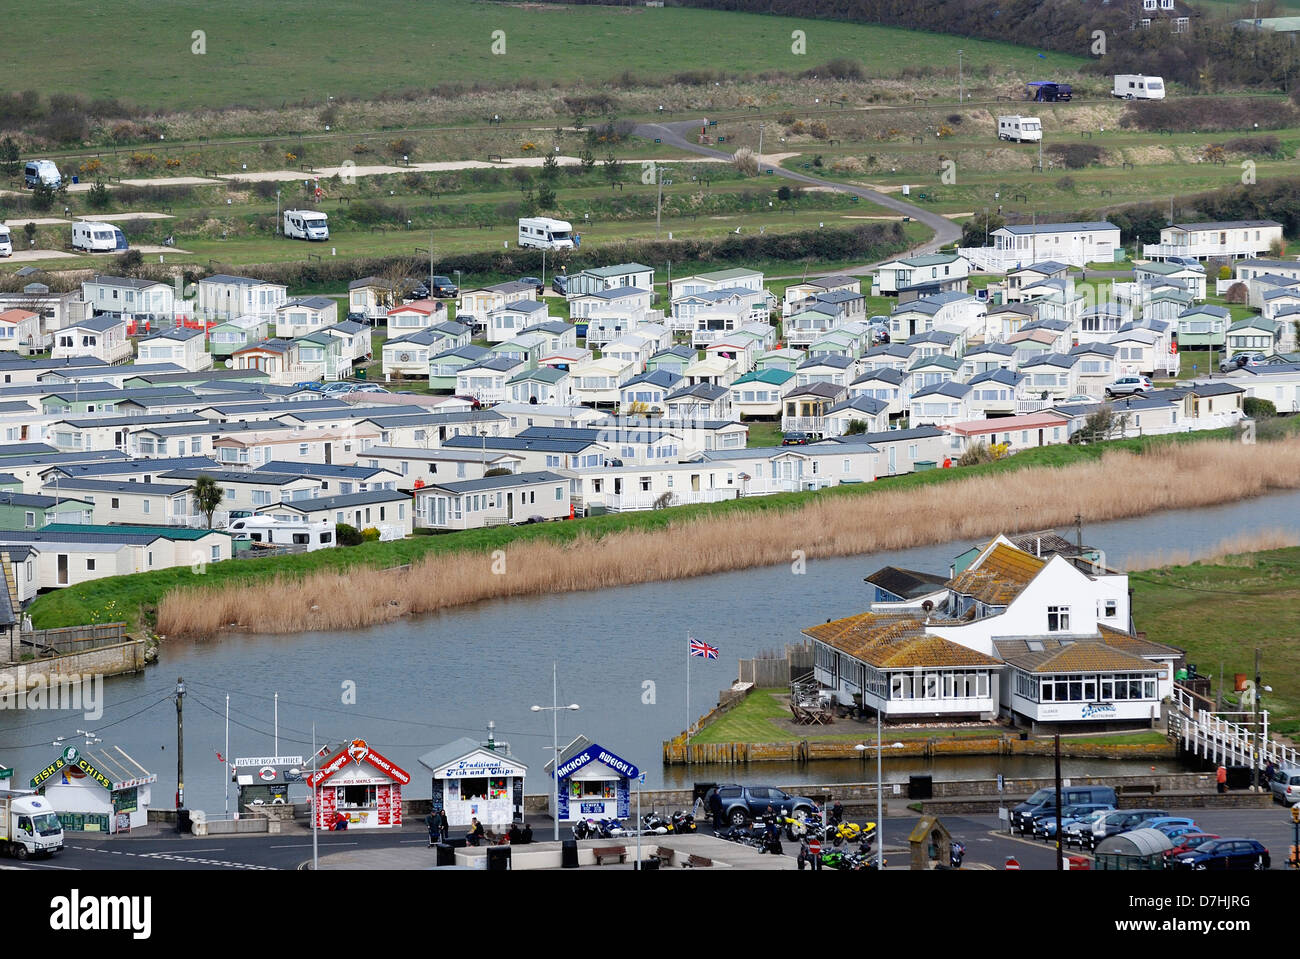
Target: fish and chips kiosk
595 783
472 781
101 790
362 785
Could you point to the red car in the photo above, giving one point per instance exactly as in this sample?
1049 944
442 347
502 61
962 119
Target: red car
1189 841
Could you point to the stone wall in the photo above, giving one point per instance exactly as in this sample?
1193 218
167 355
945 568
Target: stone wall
124 657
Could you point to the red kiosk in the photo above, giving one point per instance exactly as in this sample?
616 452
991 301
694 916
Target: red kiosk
361 785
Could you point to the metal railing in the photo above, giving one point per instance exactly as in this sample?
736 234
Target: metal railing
1213 736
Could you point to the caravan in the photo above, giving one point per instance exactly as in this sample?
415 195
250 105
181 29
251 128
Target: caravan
1129 86
306 225
97 237
269 531
1021 129
42 172
6 242
543 233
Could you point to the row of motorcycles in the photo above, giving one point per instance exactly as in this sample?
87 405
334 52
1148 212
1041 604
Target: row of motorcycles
652 824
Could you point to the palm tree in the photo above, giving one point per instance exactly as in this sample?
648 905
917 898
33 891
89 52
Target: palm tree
207 496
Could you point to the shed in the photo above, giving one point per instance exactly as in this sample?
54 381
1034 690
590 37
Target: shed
1138 849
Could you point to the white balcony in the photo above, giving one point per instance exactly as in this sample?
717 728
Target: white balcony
803 424
1201 251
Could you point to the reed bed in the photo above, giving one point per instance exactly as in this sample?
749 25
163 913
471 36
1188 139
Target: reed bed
1117 485
1237 550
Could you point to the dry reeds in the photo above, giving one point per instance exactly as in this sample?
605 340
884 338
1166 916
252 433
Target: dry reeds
1116 486
1235 549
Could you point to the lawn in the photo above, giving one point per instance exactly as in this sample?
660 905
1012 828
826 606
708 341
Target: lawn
269 55
764 433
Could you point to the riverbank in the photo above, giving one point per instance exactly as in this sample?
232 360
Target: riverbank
350 587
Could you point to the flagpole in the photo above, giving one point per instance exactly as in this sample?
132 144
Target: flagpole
225 757
688 698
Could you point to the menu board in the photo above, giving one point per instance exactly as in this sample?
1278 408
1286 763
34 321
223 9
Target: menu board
519 796
325 812
383 798
436 803
395 804
125 800
123 822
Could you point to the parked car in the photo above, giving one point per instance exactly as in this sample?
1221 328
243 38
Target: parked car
368 388
560 284
1224 854
1128 386
537 284
744 804
1176 833
1044 822
310 385
796 439
1183 260
1242 360
442 287
1285 785
414 290
1188 842
1114 823
1022 816
1162 823
1073 833
356 317
1080 398
337 388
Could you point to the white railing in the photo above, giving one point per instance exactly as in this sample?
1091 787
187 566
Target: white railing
642 501
805 424
1200 250
988 259
220 520
1033 406
1211 735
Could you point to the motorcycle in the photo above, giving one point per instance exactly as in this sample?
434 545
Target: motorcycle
957 853
610 829
682 822
656 824
585 829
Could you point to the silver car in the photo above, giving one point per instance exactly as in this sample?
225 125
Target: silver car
1285 785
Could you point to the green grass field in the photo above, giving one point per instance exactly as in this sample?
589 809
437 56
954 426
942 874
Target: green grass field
264 55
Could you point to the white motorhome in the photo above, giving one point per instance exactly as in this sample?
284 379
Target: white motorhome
543 233
42 171
97 237
6 242
278 532
1134 86
29 826
306 225
1020 129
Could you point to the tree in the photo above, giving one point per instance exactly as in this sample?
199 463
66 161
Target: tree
97 197
613 170
43 196
207 496
550 167
10 162
974 232
586 159
855 428
546 196
29 231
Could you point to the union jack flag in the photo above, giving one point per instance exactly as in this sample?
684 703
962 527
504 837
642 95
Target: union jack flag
703 649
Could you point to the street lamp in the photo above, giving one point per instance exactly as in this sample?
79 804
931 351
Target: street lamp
880 790
555 741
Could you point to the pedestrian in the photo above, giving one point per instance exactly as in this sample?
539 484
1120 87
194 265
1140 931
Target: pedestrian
1221 777
431 821
1270 770
443 825
475 834
805 853
527 835
715 808
514 835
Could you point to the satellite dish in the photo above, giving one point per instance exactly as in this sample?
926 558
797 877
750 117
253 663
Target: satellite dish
230 364
927 606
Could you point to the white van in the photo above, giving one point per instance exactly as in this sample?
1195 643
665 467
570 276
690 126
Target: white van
1134 86
306 225
42 171
98 237
1020 129
543 233
6 241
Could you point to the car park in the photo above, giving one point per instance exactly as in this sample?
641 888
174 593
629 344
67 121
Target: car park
744 804
1044 800
1044 823
1129 386
1285 785
1220 854
1114 823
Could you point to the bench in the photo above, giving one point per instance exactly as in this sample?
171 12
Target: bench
664 857
495 158
696 862
609 852
1137 789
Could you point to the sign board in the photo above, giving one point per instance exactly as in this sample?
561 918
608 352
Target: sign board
126 801
599 754
269 761
358 751
1000 782
123 822
6 773
70 759
478 767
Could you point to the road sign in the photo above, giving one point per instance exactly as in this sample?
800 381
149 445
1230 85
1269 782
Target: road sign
999 782
815 848
1012 864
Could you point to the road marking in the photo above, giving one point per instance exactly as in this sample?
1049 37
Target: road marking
307 845
204 862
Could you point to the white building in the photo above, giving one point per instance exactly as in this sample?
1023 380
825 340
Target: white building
1075 244
1229 239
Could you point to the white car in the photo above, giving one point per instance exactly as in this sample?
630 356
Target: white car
1129 386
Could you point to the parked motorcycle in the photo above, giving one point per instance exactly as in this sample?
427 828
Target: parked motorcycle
610 829
683 822
957 853
655 824
585 829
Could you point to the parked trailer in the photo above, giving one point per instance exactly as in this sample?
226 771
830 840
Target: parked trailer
306 225
97 237
1135 86
1048 91
29 826
1020 129
544 233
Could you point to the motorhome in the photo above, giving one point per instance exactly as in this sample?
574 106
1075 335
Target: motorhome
1130 86
306 225
543 233
278 532
97 237
1020 129
6 242
42 171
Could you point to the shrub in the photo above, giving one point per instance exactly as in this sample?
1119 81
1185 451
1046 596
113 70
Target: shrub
1225 272
42 197
1257 408
98 197
370 535
402 146
1236 295
347 535
1075 156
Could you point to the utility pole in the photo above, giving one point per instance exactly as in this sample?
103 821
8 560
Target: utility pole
1259 742
180 745
1060 856
659 177
961 98
431 262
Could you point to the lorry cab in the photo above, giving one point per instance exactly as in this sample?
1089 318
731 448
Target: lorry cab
42 171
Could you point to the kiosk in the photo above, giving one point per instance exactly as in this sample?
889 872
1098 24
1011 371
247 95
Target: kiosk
265 780
595 783
97 791
362 785
472 781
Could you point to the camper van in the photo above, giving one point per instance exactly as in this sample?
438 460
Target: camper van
269 531
543 233
98 237
1020 129
1130 86
42 171
6 242
306 225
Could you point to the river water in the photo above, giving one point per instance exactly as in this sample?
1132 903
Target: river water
413 685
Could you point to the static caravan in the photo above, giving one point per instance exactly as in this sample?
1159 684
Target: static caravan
1134 86
6 243
306 225
544 233
1021 129
42 171
97 237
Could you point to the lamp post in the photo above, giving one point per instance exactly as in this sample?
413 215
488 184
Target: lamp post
960 91
554 710
277 212
483 434
880 791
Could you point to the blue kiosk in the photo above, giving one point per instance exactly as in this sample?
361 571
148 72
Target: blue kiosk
595 783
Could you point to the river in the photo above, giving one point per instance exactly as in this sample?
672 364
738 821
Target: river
409 686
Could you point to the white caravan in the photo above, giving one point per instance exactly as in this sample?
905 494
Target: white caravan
1020 129
306 225
97 237
543 233
1134 86
6 241
279 532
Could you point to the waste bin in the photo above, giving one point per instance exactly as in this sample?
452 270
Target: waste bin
446 855
361 374
498 858
920 787
569 854
183 821
648 864
76 178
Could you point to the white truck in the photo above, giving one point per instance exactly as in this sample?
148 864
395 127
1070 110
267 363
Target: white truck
98 237
1021 129
544 233
1134 86
29 826
6 242
306 225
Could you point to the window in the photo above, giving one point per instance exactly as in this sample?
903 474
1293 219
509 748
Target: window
1110 608
559 490
113 503
90 565
144 504
302 449
216 553
30 519
1058 619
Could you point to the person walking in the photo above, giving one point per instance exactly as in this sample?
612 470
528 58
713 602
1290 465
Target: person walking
443 825
431 821
715 808
1221 777
805 853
